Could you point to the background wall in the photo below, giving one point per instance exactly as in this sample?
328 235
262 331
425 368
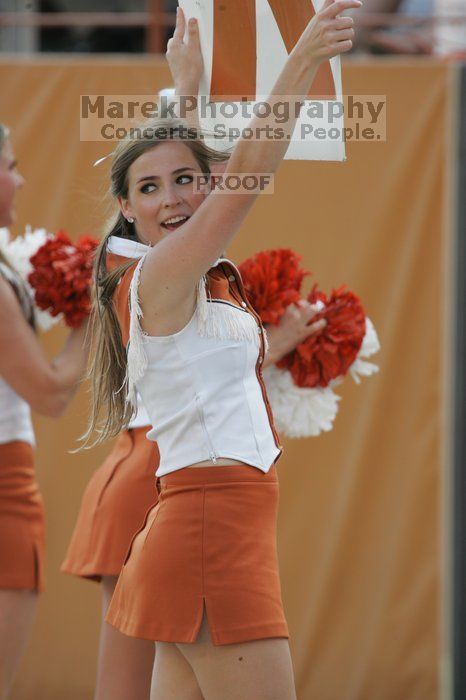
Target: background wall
359 530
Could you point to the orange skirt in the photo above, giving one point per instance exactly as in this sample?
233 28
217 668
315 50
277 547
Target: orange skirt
113 507
22 520
210 541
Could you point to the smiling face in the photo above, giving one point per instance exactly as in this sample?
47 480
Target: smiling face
10 182
160 191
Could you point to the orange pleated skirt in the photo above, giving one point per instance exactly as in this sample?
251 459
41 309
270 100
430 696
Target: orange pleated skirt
209 542
114 507
22 520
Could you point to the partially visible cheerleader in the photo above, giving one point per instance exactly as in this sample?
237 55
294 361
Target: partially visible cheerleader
122 490
27 380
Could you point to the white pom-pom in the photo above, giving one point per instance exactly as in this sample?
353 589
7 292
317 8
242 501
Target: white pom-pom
22 248
19 252
299 412
44 320
370 345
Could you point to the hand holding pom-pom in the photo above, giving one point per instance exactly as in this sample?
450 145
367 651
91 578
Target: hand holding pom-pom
300 385
329 353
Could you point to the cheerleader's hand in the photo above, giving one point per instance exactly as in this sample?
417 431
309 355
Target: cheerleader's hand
327 34
293 329
184 56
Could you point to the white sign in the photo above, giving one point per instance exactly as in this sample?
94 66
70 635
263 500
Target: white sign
245 44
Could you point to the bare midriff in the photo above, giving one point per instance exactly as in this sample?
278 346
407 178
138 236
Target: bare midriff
219 462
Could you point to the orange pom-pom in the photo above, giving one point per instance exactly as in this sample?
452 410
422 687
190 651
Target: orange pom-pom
273 280
62 275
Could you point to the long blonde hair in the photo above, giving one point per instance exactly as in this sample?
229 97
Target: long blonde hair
110 411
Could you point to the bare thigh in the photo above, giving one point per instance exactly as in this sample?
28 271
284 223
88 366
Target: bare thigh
256 670
173 678
17 610
125 663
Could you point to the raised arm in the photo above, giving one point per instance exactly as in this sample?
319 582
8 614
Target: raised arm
175 264
46 386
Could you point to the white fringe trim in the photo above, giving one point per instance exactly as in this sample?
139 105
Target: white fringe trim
202 310
370 345
299 412
136 354
222 320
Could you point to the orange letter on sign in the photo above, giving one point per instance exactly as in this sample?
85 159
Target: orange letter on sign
234 50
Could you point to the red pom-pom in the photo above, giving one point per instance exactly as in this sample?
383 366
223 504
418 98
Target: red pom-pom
61 277
330 352
273 280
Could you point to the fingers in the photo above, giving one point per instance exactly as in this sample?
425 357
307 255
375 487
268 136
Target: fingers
336 31
332 9
342 35
308 311
315 327
180 26
295 324
343 23
341 47
303 311
298 311
193 33
318 306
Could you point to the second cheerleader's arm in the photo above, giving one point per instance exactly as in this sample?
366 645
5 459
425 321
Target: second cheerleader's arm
47 386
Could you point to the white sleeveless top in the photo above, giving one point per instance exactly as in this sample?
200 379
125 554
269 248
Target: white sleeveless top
15 414
141 419
202 386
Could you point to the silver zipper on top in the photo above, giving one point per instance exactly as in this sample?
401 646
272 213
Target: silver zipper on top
200 411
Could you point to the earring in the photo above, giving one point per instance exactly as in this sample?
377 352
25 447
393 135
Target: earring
130 220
